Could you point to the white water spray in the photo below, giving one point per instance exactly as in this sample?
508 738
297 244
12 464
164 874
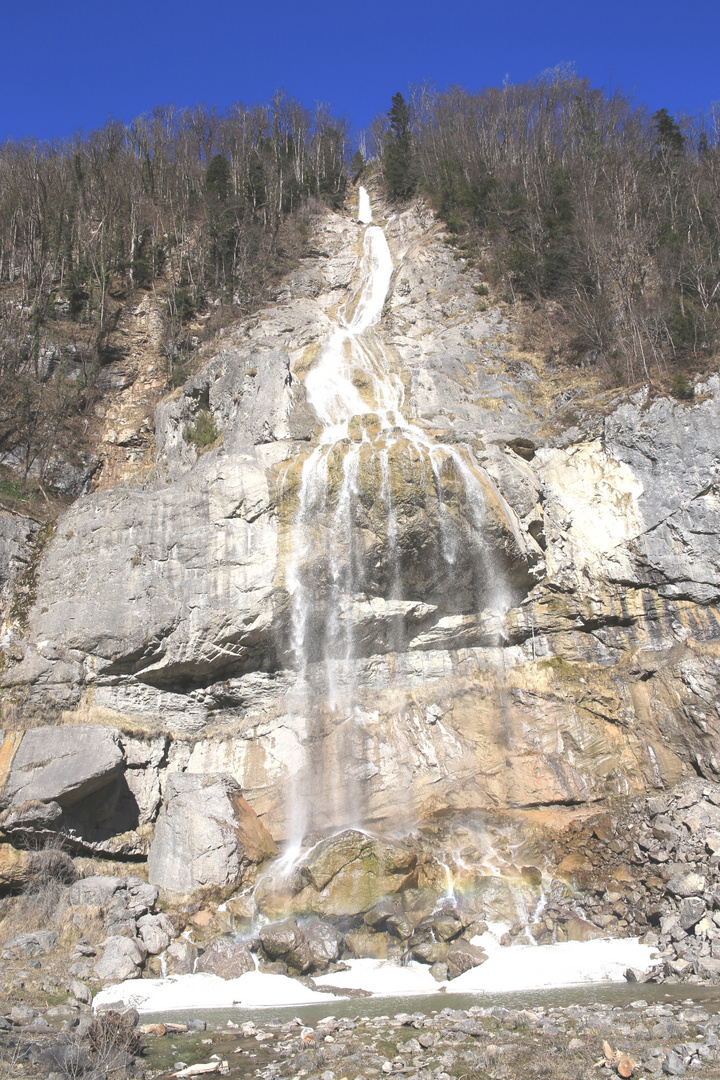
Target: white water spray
346 541
364 210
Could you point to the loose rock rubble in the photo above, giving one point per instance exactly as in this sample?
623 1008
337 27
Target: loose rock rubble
653 872
640 1039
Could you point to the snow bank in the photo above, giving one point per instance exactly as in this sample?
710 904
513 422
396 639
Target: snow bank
537 967
204 991
383 978
521 967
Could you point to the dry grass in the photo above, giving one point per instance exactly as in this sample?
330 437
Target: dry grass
87 713
51 871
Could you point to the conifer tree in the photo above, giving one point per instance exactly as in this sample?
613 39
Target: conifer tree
398 157
669 134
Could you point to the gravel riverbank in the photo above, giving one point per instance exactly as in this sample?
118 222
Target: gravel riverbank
586 1041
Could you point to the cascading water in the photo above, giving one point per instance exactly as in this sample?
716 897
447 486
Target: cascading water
387 524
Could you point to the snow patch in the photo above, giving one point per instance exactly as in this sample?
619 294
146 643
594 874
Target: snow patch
206 991
521 967
569 963
383 978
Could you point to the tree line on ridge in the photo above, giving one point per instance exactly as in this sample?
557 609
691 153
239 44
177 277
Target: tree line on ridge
603 217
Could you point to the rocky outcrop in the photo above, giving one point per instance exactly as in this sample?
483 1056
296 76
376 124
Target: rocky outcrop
17 535
345 875
599 679
591 678
206 836
61 765
87 786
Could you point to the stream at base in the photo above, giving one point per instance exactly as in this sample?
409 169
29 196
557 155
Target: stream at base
609 994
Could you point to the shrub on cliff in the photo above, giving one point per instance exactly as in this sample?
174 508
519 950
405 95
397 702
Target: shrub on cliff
203 432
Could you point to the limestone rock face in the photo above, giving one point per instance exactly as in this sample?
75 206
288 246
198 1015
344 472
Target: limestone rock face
17 534
74 782
564 652
206 836
62 765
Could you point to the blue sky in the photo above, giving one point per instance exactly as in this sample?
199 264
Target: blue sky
70 64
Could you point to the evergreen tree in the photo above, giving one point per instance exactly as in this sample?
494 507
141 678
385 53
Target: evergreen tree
670 137
357 166
217 178
398 156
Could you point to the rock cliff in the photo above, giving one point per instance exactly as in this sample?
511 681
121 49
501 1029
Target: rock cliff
164 608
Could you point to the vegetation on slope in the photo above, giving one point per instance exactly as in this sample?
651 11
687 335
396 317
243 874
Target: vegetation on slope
562 193
185 203
603 218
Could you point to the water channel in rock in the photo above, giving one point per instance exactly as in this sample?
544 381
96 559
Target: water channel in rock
386 531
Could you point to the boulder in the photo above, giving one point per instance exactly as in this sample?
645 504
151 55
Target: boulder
80 992
399 925
227 958
324 940
430 952
692 909
446 927
686 885
284 942
461 956
206 835
14 867
141 896
673 1065
573 869
497 898
347 874
61 764
380 912
156 932
339 853
66 1059
122 958
708 967
380 946
581 930
181 957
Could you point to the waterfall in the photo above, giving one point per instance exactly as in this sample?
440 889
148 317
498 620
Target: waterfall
386 524
364 210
